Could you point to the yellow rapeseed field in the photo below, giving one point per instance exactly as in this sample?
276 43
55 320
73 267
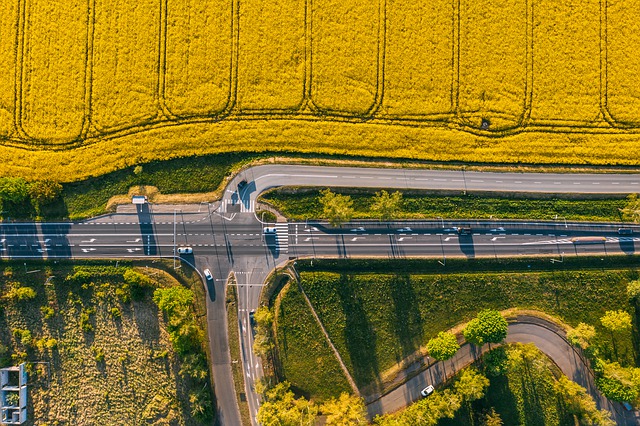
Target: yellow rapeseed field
8 30
623 61
566 62
344 57
90 86
419 59
54 55
199 45
271 63
493 61
125 63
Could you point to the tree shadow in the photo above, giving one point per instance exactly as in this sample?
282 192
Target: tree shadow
360 337
408 321
532 409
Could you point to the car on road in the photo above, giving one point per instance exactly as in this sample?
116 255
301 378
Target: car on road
208 275
464 231
625 231
185 250
427 391
407 229
269 230
358 229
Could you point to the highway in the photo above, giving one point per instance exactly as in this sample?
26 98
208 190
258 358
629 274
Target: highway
227 237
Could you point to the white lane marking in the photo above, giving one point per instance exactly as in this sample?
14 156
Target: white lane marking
356 238
518 181
475 180
496 238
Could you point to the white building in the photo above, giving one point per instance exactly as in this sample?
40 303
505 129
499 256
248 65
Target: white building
13 395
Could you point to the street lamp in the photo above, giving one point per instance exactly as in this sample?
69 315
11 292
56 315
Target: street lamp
441 221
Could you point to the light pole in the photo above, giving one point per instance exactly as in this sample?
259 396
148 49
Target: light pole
464 179
441 221
174 238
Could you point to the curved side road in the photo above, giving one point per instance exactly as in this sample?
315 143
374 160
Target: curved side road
545 335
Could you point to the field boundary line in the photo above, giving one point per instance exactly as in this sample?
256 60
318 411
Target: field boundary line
88 69
352 383
161 82
19 74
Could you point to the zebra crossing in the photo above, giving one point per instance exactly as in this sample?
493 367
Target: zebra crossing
282 236
229 206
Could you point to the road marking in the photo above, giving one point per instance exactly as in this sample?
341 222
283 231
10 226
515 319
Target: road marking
90 241
496 238
356 238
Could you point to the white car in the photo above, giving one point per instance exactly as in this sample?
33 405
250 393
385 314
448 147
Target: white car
269 230
358 229
185 250
427 391
207 274
407 229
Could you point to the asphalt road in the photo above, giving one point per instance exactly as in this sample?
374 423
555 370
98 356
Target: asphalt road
545 335
227 237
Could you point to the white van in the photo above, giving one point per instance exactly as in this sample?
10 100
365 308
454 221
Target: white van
269 230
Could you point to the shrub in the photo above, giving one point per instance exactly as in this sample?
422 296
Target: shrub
115 312
80 276
581 335
19 293
98 353
24 336
633 291
123 293
85 319
47 312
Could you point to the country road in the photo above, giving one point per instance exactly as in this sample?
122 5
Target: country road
227 237
547 337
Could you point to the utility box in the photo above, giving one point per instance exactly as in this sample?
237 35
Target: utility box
13 395
139 199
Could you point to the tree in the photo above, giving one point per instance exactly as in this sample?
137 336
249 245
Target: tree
43 192
281 408
471 384
488 327
581 335
345 411
632 210
13 190
386 205
633 291
580 404
337 208
173 300
491 418
496 361
616 321
443 347
263 339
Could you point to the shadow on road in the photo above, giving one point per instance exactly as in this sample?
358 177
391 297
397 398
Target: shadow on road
466 245
146 229
627 245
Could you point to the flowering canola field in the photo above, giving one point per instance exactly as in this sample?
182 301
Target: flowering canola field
89 86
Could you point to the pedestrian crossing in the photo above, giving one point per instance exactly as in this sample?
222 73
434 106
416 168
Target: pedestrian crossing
282 236
232 206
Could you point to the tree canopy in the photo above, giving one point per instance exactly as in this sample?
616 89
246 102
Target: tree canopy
337 208
616 321
582 335
443 346
471 384
488 327
347 410
281 408
386 205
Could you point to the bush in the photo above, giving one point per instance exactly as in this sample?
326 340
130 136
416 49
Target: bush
98 353
17 293
85 319
24 336
115 313
47 312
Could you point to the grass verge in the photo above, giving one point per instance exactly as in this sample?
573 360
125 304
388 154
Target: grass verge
305 358
377 320
303 203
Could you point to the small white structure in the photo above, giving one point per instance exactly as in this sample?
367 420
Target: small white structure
13 395
139 199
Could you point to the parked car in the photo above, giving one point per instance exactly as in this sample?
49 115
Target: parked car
208 275
427 391
185 250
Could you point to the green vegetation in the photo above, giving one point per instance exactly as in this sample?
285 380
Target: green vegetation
234 349
114 350
303 203
530 390
336 208
346 410
281 407
443 346
302 348
488 327
377 320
